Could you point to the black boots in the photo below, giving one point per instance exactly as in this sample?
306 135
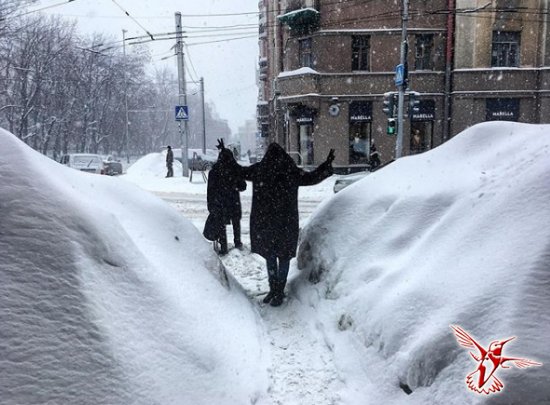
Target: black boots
279 294
271 292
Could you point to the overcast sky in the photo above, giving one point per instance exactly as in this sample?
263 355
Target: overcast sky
228 67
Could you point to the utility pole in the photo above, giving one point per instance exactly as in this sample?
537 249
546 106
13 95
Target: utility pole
126 123
403 86
182 96
203 117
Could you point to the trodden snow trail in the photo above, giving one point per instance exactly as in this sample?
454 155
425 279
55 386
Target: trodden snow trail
303 369
302 361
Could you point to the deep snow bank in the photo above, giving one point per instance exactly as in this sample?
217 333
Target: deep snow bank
459 235
108 296
153 165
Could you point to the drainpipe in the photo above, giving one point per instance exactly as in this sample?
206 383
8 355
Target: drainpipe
542 46
448 70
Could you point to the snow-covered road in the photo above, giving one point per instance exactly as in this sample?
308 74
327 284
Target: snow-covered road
302 368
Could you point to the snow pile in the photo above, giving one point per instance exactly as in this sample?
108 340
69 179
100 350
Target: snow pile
108 295
297 72
458 235
152 165
149 173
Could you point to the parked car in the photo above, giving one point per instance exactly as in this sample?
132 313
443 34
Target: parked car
111 166
85 162
345 180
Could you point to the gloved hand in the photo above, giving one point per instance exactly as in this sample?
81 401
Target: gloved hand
330 157
220 144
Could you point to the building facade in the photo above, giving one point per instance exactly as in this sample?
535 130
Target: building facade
325 66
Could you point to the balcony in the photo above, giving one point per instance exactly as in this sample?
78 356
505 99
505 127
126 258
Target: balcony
263 68
301 17
262 111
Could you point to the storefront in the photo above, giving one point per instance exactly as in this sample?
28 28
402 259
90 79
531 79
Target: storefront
422 127
360 131
502 109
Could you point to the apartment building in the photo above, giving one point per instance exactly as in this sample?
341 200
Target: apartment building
325 65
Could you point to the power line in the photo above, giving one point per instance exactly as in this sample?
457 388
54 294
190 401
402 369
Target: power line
39 10
190 61
133 19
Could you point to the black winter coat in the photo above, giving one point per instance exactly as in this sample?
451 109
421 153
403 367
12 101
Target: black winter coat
274 222
224 185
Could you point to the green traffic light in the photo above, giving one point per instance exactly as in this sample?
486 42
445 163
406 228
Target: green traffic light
390 129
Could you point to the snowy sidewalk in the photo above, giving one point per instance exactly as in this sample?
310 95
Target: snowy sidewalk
302 365
302 369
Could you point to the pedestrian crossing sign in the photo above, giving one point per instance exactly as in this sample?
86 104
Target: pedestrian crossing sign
182 113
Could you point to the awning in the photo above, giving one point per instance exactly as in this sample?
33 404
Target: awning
297 19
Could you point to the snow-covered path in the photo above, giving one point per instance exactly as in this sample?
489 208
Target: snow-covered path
302 367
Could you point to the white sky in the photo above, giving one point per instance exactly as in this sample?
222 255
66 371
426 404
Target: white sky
228 68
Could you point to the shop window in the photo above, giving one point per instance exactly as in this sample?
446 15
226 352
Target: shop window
505 51
423 56
359 142
421 136
360 49
305 145
306 57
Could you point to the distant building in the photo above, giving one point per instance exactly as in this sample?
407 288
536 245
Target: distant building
246 137
324 67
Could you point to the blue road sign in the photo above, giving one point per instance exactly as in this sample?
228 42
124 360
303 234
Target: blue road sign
399 74
182 113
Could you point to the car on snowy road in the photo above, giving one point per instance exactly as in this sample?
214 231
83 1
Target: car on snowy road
85 162
342 181
112 166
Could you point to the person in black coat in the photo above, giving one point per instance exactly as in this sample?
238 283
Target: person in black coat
223 200
169 162
274 222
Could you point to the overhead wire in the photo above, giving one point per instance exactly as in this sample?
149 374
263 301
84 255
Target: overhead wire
38 10
133 19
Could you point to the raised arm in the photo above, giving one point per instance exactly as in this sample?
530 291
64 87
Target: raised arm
323 171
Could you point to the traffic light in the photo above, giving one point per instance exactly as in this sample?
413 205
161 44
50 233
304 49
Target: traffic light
389 104
414 103
392 126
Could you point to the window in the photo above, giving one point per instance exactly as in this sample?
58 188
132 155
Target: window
360 128
306 57
423 59
359 142
421 136
305 145
360 53
505 49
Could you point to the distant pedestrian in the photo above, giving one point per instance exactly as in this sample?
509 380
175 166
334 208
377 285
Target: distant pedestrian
274 222
169 162
223 200
374 157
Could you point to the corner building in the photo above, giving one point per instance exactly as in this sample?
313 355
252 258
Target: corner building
325 65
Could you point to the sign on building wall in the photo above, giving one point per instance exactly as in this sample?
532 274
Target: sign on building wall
502 109
360 111
426 111
304 115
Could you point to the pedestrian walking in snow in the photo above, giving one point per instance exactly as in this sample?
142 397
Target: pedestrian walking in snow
223 200
374 157
274 222
169 161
